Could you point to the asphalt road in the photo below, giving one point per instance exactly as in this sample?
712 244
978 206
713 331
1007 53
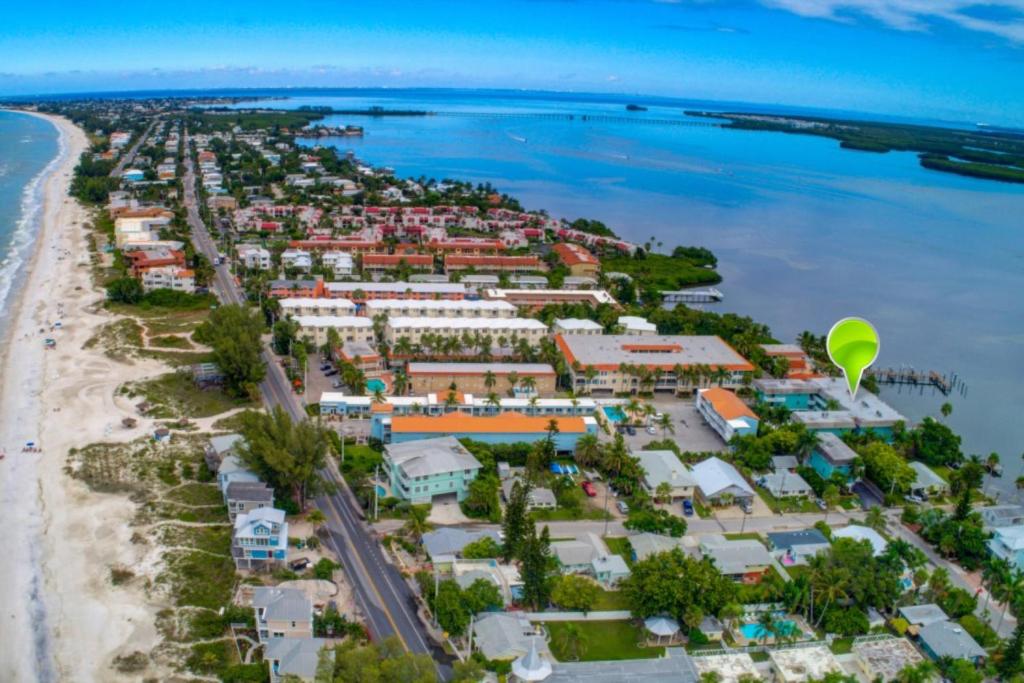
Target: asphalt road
130 155
382 594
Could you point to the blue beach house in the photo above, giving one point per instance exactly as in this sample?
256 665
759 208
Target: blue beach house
260 538
420 470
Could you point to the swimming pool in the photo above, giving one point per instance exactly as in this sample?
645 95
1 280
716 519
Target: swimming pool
375 385
614 413
755 631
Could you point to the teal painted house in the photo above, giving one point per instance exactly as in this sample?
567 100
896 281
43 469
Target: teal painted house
418 471
832 456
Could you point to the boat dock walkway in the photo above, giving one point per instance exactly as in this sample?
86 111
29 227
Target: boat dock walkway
707 295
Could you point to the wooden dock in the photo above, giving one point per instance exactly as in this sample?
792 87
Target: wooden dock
906 376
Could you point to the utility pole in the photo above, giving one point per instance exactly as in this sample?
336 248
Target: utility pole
607 486
376 492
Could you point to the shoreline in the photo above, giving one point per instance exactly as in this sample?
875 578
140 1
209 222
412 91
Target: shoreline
62 619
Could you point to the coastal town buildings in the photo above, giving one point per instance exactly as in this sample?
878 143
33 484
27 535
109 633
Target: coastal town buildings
506 428
413 329
617 360
349 328
260 538
521 379
726 413
429 467
577 259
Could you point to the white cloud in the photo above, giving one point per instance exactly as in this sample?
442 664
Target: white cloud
917 15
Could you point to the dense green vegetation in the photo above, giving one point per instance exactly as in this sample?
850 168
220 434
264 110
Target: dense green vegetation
663 273
207 120
987 155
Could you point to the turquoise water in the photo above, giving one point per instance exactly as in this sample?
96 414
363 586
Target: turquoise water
614 413
806 233
381 491
374 385
27 146
756 631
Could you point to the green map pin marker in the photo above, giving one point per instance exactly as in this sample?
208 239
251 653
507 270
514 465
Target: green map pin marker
852 345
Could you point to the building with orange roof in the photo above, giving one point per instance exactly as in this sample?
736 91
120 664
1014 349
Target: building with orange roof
800 365
505 428
726 413
380 264
467 245
455 263
577 259
624 363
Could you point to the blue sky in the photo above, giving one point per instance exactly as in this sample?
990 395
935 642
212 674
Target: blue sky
946 59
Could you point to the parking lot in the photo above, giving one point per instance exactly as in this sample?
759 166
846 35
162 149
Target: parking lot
691 432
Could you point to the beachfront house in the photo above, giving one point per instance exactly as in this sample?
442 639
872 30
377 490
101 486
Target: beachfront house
282 613
295 658
259 539
245 496
233 470
218 448
1008 543
645 544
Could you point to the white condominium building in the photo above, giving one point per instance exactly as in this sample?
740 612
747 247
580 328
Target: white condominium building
440 308
349 327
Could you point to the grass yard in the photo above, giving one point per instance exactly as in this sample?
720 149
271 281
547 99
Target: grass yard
748 536
842 646
620 546
196 494
175 395
610 600
786 504
565 514
170 341
602 640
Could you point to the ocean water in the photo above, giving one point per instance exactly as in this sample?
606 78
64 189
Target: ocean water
28 147
805 232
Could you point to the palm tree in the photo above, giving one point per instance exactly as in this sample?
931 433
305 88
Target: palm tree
993 573
417 524
588 450
490 380
634 407
831 587
831 497
992 462
529 383
589 374
946 409
533 404
663 492
922 672
767 626
572 640
493 400
875 518
513 380
378 396
1007 591
665 424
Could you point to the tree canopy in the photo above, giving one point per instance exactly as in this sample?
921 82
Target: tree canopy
233 332
672 583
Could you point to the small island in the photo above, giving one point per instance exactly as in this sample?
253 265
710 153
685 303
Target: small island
988 154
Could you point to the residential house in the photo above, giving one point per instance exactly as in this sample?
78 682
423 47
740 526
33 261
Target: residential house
245 496
449 540
588 554
785 484
282 613
217 448
539 498
633 324
949 639
577 259
832 456
295 657
502 636
797 547
297 259
260 539
340 263
720 483
997 516
919 616
742 560
422 469
862 533
169 277
253 256
926 481
665 467
1008 543
232 469
645 544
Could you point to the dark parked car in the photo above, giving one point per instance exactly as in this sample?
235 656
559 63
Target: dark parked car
297 565
331 373
631 431
688 507
325 366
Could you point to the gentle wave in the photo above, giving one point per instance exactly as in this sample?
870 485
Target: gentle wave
23 237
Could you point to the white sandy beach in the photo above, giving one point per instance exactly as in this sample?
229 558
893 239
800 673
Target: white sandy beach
60 617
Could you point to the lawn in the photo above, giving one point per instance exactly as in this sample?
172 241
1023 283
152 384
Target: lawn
196 494
842 646
748 536
360 459
171 341
603 640
610 600
567 515
786 504
620 546
176 395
